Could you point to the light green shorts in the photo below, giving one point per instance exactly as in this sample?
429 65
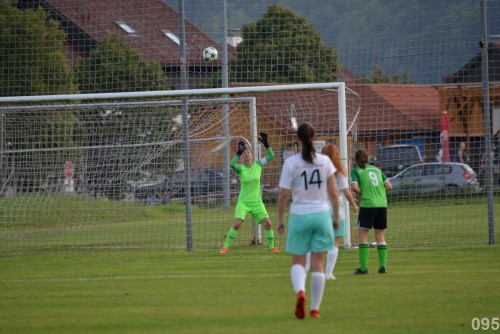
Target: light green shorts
256 209
341 231
311 232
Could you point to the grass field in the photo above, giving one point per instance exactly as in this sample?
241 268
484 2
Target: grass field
433 290
48 224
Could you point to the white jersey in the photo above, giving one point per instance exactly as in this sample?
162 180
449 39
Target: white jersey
307 182
342 183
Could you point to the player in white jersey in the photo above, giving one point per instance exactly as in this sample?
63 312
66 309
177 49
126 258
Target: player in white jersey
333 153
310 179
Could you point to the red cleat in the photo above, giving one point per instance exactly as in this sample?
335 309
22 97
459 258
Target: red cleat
301 303
315 314
223 250
274 250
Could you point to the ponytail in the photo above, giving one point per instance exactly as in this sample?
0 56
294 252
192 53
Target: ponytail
361 157
332 151
305 132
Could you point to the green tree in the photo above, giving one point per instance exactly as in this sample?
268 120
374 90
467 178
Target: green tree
32 57
33 62
114 66
281 47
378 76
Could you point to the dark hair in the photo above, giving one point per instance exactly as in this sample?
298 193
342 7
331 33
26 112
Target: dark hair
305 133
361 157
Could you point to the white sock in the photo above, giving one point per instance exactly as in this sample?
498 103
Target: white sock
299 275
308 261
331 260
317 289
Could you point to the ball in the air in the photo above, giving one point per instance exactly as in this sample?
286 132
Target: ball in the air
210 54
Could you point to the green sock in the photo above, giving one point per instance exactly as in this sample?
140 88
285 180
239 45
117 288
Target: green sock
364 252
230 237
382 255
270 238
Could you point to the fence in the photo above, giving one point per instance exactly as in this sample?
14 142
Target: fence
406 70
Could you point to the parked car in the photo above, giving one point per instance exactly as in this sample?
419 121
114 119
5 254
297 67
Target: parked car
207 181
435 176
395 158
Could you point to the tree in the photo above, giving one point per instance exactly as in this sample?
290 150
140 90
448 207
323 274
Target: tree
114 66
32 57
378 76
282 48
32 62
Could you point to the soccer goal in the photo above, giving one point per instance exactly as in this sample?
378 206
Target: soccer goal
150 170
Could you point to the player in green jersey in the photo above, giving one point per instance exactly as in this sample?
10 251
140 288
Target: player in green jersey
371 185
250 198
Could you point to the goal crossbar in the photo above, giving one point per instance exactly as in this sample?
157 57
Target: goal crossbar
166 93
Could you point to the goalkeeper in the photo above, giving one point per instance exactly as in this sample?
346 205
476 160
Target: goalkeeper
250 198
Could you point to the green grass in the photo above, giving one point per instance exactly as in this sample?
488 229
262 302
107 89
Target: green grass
35 224
245 291
117 267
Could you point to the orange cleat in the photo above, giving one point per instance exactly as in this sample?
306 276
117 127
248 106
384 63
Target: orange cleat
223 250
315 314
274 250
301 303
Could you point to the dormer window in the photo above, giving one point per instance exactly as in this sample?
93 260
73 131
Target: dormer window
128 29
173 37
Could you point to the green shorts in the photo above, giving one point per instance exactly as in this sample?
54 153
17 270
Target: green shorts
256 209
311 232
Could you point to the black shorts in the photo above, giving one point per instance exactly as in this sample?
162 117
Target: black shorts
369 218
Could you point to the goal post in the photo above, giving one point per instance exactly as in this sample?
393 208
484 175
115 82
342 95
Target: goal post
135 164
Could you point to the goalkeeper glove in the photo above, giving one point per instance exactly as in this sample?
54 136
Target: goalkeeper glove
241 148
263 139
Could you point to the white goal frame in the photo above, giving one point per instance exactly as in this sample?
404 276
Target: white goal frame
339 87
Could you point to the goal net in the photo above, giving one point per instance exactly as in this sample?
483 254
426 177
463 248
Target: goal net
150 170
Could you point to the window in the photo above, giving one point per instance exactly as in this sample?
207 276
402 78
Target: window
446 170
413 172
173 37
128 29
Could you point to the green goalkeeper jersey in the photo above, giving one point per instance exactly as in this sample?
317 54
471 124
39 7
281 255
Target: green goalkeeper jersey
250 177
371 182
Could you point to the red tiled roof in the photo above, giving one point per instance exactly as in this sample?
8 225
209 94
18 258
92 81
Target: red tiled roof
384 107
147 17
398 107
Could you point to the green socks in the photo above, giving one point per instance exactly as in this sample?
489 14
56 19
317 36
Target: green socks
364 252
232 234
230 237
270 238
382 255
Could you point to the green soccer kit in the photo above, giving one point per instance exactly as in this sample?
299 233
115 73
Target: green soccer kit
373 195
250 197
371 181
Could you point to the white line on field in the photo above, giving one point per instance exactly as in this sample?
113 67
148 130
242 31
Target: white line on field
112 278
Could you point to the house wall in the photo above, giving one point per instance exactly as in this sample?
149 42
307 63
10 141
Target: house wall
280 139
464 106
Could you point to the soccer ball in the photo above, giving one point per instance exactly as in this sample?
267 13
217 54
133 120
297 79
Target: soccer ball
210 54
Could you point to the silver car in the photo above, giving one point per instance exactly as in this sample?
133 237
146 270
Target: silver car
435 176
